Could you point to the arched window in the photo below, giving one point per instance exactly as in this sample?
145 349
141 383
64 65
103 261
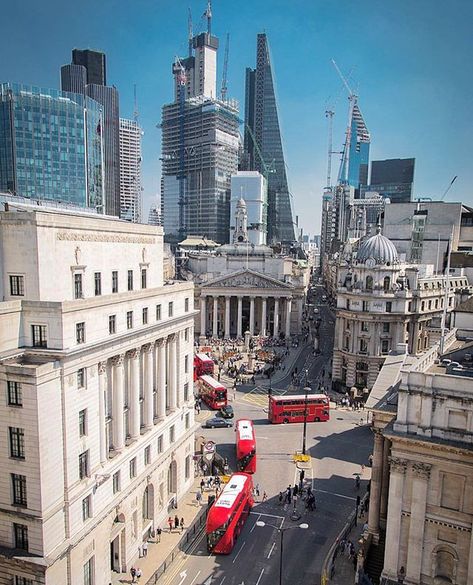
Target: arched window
445 561
369 283
386 283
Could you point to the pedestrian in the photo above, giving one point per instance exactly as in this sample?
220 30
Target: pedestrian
170 523
202 485
295 489
355 562
144 548
280 497
265 497
257 489
198 497
181 524
158 534
176 522
289 495
138 574
133 574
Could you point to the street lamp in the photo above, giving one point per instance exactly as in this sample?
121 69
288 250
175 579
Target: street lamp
306 389
281 531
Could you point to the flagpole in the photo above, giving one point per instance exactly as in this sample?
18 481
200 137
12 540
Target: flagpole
445 302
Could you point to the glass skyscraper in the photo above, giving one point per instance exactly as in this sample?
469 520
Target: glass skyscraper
354 168
392 178
51 145
263 143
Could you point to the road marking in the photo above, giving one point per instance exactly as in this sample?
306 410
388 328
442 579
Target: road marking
260 575
183 577
198 573
241 548
222 580
337 495
254 525
270 515
272 548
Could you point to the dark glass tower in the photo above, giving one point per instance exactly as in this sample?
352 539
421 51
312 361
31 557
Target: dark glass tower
393 178
263 144
354 168
87 74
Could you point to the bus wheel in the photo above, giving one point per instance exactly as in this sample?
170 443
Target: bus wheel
285 421
317 419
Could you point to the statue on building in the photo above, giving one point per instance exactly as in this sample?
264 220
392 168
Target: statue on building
240 235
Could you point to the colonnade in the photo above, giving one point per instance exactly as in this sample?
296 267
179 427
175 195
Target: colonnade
268 315
137 389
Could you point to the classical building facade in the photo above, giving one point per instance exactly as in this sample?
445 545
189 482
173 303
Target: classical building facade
382 302
421 497
96 370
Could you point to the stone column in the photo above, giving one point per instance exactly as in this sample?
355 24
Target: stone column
203 315
161 347
102 369
178 370
383 506
148 386
215 319
469 578
263 315
276 317
420 482
393 527
240 316
376 475
118 435
252 315
134 405
227 317
288 316
172 371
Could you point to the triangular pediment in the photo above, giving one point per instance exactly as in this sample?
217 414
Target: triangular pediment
247 279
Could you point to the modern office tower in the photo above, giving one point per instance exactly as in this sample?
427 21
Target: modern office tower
392 178
96 374
154 216
51 145
131 199
94 70
252 188
263 143
356 153
199 149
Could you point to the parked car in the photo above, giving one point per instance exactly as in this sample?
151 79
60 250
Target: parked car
217 423
227 411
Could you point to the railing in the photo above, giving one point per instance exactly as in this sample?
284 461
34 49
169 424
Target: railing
186 540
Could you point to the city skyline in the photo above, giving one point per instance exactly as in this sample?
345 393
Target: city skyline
413 107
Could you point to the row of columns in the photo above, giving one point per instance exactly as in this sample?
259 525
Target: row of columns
157 366
264 312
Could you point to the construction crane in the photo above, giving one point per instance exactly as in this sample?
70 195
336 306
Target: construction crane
208 15
449 187
329 114
266 169
189 31
224 88
135 104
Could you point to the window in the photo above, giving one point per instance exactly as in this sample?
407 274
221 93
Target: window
422 306
148 455
89 572
17 286
188 420
389 307
364 326
369 283
39 335
82 422
170 309
186 391
129 319
143 277
409 306
385 346
145 316
19 490
158 312
346 344
23 581
348 304
84 465
172 434
20 535
78 294
386 327
81 378
17 442
188 467
116 482
186 334
114 281
186 364
133 468
97 283
386 283
80 332
87 508
186 305
363 346
160 444
130 280
15 395
112 324
366 306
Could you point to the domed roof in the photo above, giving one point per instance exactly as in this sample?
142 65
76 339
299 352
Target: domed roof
378 247
241 202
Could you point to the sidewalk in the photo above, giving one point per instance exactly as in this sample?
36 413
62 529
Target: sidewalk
343 572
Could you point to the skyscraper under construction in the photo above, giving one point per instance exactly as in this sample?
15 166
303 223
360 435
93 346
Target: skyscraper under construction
263 143
199 146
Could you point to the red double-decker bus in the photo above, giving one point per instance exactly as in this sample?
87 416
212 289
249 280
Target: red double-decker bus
289 409
228 513
212 392
202 365
245 446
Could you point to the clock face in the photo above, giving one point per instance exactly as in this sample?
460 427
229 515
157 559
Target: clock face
370 263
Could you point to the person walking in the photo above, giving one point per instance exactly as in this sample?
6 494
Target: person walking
280 497
158 534
144 548
257 490
202 485
138 574
170 524
133 574
265 497
182 524
176 522
198 498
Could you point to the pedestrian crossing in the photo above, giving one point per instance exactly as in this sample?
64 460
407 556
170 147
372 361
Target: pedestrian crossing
259 395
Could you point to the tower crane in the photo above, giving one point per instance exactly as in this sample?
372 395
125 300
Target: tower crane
266 169
189 31
224 88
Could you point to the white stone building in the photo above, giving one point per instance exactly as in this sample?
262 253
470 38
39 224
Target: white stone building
252 187
97 421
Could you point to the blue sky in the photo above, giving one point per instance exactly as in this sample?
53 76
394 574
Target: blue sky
411 63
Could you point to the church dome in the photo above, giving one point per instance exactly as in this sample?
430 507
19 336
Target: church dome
378 247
